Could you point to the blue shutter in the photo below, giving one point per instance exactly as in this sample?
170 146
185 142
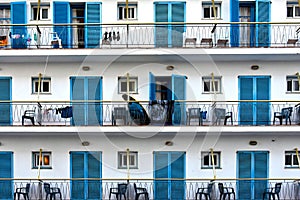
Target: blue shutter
161 31
61 15
94 171
261 171
262 93
94 115
152 87
5 95
18 16
178 15
263 15
78 93
177 172
6 171
179 93
246 93
244 171
93 33
234 28
161 167
77 171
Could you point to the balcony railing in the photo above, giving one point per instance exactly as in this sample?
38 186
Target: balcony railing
150 35
290 189
159 113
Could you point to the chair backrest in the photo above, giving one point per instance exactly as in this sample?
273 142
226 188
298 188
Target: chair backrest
286 112
122 187
134 186
194 112
221 188
209 187
47 188
277 187
220 113
27 187
119 112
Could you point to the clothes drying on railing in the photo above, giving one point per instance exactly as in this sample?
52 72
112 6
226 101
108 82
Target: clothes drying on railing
161 111
66 112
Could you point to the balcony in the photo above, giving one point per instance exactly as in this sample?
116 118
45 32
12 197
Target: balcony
171 114
290 189
149 35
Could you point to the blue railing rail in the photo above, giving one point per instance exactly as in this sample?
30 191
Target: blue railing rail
150 35
100 188
177 113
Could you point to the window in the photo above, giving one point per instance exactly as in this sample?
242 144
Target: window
208 10
45 85
292 84
45 161
133 82
122 160
291 159
4 16
43 14
207 162
122 11
292 10
209 85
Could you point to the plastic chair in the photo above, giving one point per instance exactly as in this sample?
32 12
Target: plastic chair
284 114
22 191
28 114
140 191
194 113
226 191
272 192
205 191
119 191
51 191
119 113
220 113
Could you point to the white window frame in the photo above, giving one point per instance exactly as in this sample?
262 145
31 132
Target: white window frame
132 79
292 5
122 160
217 161
293 158
130 7
35 81
46 162
211 12
295 84
42 7
209 79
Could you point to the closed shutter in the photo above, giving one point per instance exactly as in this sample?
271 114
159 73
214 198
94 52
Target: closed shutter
263 15
244 171
78 94
178 172
262 93
6 171
94 109
5 95
178 15
152 87
93 33
179 93
19 16
161 191
77 171
61 15
94 171
246 109
261 171
234 28
161 31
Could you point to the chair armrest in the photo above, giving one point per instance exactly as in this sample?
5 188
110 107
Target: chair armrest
20 190
55 189
229 189
113 190
277 113
199 190
141 189
29 112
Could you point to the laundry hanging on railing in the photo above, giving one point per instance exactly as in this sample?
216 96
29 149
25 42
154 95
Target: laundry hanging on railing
66 112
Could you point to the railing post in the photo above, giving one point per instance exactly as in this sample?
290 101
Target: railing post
127 33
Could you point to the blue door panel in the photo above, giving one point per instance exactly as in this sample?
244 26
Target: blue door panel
178 172
263 15
179 93
263 108
6 171
5 95
246 109
161 31
77 171
61 15
234 28
19 16
244 171
78 94
94 94
160 172
261 171
178 15
93 33
94 171
152 87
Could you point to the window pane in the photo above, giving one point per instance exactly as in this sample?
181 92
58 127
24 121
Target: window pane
44 13
46 87
34 11
289 11
296 85
295 160
288 160
120 12
212 12
206 86
215 160
46 160
123 86
206 12
289 85
36 86
216 86
132 160
124 160
132 13
206 160
132 86
297 11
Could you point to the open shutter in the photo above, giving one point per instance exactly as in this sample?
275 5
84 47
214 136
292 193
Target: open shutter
77 171
94 109
234 28
152 87
262 93
78 94
261 171
177 172
6 171
61 15
263 15
178 15
244 171
18 16
179 93
161 169
161 31
5 95
94 171
93 33
246 93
